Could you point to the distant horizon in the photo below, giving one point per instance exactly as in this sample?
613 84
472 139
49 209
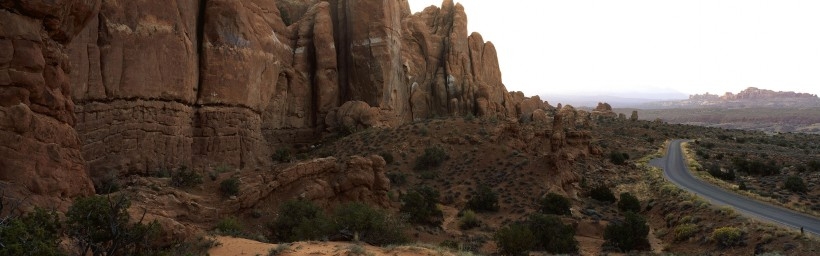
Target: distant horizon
693 47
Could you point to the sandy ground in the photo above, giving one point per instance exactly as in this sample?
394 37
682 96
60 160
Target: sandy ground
239 246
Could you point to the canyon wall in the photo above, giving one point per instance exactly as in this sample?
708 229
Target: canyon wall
39 149
222 82
136 87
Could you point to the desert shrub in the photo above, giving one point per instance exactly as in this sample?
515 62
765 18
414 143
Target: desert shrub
602 193
185 178
388 158
468 220
795 184
515 239
727 236
484 200
229 226
555 204
108 183
397 178
300 220
35 233
618 158
432 157
742 186
281 155
813 166
101 225
755 167
629 234
420 206
629 203
684 231
229 187
551 234
279 249
368 224
716 172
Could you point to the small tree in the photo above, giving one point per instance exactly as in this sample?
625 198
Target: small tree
629 202
184 178
421 206
36 233
229 187
618 158
552 235
515 239
555 204
485 200
432 157
795 184
602 193
300 220
100 225
368 224
629 234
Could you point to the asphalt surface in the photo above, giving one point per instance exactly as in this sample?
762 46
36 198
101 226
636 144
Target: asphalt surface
675 170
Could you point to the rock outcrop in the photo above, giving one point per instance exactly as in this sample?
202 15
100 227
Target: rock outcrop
39 148
221 82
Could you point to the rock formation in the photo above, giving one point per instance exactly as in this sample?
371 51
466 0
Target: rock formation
39 148
145 87
604 110
221 82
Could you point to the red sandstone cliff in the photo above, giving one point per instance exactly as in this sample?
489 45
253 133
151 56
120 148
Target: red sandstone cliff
150 86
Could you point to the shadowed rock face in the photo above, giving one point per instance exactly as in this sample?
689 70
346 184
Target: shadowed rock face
39 147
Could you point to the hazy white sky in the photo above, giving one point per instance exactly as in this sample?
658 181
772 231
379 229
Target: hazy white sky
691 46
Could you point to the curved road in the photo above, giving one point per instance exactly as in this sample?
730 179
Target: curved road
675 170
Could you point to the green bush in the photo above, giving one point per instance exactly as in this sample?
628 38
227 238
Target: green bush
229 187
618 158
552 235
484 200
555 204
602 193
432 157
368 224
388 158
515 239
468 220
421 206
716 172
229 226
300 220
684 231
36 233
101 225
185 178
795 184
629 234
628 203
397 178
727 236
281 155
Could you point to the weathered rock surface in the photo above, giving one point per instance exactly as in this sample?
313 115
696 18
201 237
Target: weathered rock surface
221 82
39 148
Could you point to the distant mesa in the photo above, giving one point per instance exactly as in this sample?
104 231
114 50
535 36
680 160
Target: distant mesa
750 97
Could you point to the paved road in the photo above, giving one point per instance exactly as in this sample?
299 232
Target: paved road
676 171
